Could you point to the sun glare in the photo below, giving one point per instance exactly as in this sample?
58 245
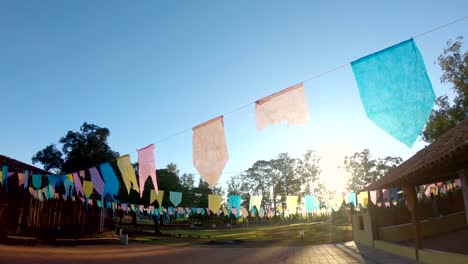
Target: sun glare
331 161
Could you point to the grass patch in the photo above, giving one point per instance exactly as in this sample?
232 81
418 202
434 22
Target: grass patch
314 233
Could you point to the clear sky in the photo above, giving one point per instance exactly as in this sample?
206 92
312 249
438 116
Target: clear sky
149 69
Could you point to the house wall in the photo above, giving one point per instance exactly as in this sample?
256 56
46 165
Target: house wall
400 250
430 227
362 234
435 257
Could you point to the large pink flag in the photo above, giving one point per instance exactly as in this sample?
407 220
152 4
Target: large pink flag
147 167
288 105
210 153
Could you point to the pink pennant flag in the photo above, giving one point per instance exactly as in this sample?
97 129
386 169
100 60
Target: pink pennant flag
147 167
234 211
288 105
210 153
244 212
78 186
20 179
219 212
208 211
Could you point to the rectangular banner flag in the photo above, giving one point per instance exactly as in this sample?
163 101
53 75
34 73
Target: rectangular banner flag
128 173
147 167
288 105
210 153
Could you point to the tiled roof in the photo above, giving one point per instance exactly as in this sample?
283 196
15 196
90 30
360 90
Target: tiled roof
439 161
18 166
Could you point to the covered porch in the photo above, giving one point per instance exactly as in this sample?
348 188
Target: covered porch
428 219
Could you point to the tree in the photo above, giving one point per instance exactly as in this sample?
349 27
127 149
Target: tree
80 150
50 157
454 65
364 170
258 179
309 169
286 180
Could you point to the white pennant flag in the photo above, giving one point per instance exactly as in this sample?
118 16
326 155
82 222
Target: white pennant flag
288 105
210 153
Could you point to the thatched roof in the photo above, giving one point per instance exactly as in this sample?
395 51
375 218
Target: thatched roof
18 166
437 162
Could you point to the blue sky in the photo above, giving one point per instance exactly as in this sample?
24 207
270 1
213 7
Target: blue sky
149 69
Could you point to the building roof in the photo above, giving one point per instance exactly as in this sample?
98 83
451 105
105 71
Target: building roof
437 162
18 166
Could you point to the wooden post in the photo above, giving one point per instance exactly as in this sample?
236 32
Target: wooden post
410 193
463 174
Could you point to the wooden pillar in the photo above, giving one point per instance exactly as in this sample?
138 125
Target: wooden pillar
410 193
101 219
463 174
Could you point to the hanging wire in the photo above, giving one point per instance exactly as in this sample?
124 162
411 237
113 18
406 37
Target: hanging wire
305 80
312 78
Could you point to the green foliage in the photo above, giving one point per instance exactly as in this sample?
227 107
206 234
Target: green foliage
280 177
454 65
50 157
83 149
364 170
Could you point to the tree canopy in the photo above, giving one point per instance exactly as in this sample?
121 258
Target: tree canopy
364 170
454 64
281 176
80 149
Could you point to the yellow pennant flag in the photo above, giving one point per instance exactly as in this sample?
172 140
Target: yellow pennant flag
363 199
214 202
291 204
156 196
70 177
88 188
128 173
225 211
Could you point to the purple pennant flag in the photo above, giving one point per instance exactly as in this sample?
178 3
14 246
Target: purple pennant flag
78 186
97 181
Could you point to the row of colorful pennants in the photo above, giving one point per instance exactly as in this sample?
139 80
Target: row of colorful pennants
395 90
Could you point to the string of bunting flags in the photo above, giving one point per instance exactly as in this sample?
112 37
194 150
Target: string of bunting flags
395 91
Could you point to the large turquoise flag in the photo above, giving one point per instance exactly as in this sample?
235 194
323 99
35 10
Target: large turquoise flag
395 90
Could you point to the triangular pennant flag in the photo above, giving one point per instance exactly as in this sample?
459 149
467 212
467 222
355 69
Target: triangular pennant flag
395 90
214 202
78 186
244 212
87 188
111 186
210 153
255 200
291 204
128 173
5 177
37 181
261 212
156 196
147 167
234 201
175 198
288 105
97 181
